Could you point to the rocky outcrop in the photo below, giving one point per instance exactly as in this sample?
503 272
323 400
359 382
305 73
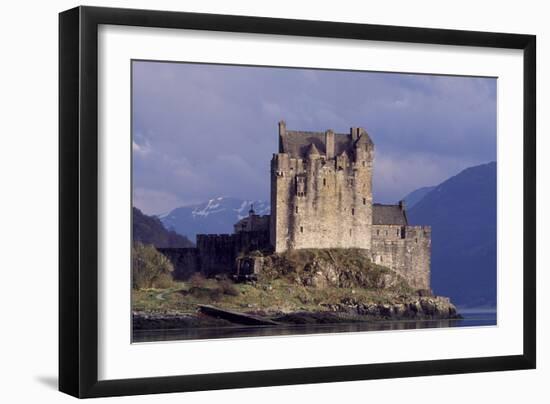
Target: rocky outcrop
341 268
434 307
422 308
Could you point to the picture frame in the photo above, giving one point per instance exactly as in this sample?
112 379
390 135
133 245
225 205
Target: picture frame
78 201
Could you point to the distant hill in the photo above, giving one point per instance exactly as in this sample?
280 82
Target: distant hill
416 196
462 213
149 230
216 216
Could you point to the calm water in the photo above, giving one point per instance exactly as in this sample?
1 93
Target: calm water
471 319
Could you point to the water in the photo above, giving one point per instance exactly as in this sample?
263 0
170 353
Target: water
471 319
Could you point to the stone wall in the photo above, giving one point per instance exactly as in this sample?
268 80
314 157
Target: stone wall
218 252
405 249
215 254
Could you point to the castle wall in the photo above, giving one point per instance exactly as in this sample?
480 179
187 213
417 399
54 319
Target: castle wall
321 203
185 261
218 252
281 181
405 249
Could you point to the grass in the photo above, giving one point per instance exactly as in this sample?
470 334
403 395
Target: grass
269 297
301 280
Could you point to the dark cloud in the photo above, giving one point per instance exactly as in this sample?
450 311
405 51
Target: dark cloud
208 130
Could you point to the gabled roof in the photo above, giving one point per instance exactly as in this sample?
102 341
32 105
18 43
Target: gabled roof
364 139
313 150
297 143
388 214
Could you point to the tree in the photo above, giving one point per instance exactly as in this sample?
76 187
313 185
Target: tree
150 268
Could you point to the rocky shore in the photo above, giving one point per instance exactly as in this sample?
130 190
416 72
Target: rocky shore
350 311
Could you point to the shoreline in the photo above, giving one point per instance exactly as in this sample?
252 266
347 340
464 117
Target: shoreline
425 308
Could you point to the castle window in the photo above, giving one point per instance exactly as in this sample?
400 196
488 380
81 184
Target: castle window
364 163
350 232
377 232
386 232
352 211
416 240
381 259
324 181
397 233
296 209
364 201
301 229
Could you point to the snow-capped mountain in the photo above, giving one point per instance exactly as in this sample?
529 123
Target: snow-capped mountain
215 216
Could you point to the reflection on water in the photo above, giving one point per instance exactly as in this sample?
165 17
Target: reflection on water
471 319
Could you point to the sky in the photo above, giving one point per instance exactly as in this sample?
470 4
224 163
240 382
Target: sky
201 131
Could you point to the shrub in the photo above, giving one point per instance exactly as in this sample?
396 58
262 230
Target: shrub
197 281
150 269
228 288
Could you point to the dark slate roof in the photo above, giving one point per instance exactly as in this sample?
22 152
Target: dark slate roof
296 143
388 214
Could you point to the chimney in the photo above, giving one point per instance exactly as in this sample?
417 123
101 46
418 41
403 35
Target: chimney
354 134
282 128
282 133
329 144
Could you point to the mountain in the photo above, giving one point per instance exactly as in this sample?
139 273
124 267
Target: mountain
216 216
462 213
149 230
416 196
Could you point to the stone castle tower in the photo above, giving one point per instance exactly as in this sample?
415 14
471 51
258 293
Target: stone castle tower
321 190
321 197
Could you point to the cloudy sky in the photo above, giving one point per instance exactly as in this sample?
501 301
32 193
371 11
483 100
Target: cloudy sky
201 131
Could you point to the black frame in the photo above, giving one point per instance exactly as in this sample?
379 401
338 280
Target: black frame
78 175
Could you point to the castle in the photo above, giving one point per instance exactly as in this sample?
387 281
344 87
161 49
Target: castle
321 197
